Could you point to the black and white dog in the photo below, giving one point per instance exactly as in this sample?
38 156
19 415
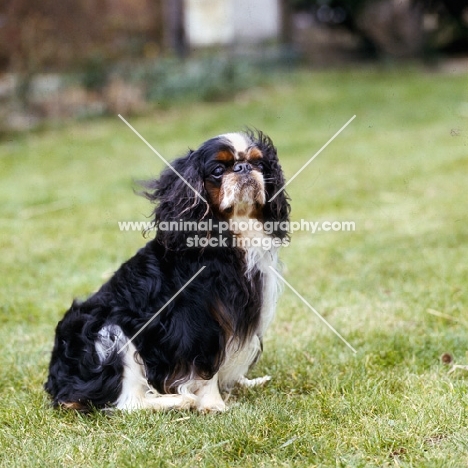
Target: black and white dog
112 350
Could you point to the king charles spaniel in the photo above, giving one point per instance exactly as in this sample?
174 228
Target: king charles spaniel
183 320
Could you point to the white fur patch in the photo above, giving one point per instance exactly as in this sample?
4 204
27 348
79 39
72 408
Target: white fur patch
244 382
239 142
237 362
262 259
134 384
208 396
110 339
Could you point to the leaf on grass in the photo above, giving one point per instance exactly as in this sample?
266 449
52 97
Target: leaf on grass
458 366
289 442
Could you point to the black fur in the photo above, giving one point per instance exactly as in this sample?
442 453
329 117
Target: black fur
191 334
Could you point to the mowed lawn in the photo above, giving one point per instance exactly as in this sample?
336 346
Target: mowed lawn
396 288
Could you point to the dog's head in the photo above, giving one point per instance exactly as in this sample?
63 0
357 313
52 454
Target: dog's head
232 176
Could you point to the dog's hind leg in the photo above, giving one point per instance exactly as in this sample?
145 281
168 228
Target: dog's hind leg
136 393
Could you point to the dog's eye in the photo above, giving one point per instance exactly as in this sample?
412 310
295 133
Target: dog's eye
260 166
218 171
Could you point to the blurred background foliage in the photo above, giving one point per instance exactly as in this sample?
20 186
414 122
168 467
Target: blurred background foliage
397 28
81 58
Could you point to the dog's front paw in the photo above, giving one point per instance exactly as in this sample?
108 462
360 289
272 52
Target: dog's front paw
245 382
211 404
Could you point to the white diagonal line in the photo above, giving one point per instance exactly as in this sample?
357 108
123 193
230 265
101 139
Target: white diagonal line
314 311
161 157
312 158
161 309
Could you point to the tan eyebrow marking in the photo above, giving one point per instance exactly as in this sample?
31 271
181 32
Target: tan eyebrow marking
254 154
224 155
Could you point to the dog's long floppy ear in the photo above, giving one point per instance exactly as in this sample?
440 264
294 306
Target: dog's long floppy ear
278 209
180 195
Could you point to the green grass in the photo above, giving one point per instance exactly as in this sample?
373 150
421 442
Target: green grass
399 171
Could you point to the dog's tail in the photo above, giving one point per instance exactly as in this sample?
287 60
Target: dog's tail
86 368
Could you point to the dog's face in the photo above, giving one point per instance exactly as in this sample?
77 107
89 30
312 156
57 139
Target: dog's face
233 175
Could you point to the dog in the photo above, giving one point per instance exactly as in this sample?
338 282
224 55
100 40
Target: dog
183 320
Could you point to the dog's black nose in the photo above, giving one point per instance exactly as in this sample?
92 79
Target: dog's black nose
242 167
